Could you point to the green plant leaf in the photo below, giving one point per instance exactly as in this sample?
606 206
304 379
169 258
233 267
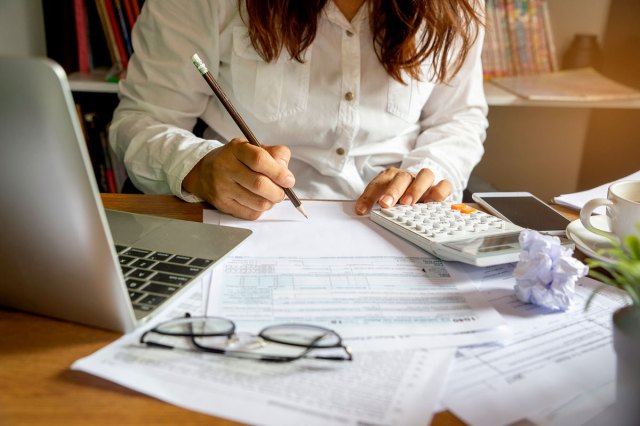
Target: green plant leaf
622 270
633 243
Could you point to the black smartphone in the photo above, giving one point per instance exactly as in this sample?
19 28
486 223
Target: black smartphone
524 209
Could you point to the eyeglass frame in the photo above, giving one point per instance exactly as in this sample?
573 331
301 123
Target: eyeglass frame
255 356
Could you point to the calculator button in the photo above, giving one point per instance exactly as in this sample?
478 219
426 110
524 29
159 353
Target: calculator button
388 213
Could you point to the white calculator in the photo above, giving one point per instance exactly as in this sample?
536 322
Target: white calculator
453 231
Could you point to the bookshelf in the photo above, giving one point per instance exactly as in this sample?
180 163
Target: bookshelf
560 127
498 97
92 83
91 39
549 148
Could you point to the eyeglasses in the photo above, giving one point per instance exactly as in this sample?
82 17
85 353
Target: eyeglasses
277 343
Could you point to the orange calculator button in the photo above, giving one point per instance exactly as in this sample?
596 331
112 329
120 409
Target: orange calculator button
463 208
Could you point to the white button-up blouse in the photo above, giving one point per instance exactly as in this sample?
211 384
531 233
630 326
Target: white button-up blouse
343 117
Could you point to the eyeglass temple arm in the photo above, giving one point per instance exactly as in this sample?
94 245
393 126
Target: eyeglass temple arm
333 358
154 344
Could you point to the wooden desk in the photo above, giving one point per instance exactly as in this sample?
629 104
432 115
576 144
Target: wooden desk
37 386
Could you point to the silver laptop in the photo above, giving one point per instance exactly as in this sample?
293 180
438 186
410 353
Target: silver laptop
61 253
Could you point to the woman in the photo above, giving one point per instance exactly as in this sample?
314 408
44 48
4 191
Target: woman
379 101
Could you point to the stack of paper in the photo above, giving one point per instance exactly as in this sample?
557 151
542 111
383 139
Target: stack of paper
579 199
403 313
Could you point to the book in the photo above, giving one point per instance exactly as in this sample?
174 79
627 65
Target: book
110 38
582 84
125 29
136 5
99 55
518 38
503 38
114 28
82 36
130 12
549 37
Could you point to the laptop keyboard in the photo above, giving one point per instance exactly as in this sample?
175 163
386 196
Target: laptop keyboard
152 277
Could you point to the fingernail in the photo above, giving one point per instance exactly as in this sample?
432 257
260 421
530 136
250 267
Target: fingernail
408 200
386 201
289 181
361 209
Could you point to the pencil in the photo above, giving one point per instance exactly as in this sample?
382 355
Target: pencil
239 121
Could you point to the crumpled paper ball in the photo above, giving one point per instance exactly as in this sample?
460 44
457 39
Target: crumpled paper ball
547 272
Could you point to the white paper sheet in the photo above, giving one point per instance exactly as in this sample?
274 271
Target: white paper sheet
579 199
356 296
396 387
345 272
559 366
333 229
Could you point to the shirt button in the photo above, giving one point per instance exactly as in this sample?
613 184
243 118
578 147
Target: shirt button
349 33
340 151
349 96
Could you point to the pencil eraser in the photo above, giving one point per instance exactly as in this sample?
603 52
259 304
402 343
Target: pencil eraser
198 63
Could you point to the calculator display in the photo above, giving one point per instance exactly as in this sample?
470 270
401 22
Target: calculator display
485 245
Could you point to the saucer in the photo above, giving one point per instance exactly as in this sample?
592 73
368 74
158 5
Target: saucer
587 241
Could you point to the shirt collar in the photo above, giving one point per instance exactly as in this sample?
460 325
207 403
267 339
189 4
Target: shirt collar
335 16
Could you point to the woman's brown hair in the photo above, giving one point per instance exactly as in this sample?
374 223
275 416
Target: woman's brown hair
420 30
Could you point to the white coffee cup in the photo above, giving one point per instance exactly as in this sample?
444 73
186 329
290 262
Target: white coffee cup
623 210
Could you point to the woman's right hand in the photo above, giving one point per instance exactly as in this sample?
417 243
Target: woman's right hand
242 179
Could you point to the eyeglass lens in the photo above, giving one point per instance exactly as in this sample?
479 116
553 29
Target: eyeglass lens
199 326
301 335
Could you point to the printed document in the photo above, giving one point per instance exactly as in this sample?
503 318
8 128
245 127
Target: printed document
347 273
356 296
558 369
393 387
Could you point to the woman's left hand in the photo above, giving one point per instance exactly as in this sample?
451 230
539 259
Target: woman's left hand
395 185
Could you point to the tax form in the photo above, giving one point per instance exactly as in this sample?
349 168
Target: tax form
391 387
344 272
558 369
355 296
